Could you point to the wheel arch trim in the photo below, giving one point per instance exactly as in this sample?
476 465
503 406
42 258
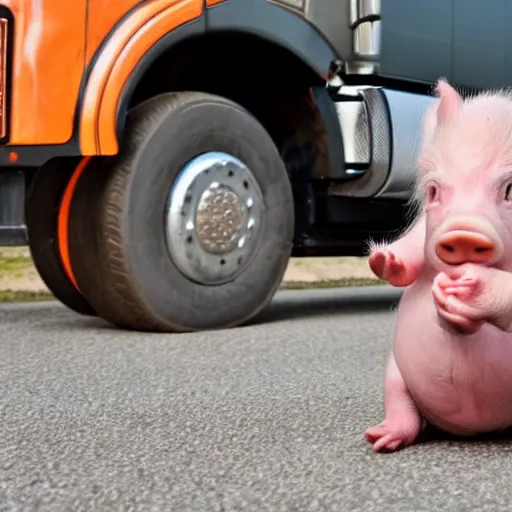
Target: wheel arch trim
130 41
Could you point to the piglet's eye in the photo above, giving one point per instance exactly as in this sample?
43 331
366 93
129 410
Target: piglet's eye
433 192
508 192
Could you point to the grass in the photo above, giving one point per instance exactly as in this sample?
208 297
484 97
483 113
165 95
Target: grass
16 263
332 283
28 296
16 267
21 296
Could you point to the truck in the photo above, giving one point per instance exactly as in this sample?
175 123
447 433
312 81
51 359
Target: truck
163 159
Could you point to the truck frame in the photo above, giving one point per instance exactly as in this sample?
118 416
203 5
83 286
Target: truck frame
163 159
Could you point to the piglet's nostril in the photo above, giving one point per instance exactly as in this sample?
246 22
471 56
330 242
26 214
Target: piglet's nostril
447 248
482 250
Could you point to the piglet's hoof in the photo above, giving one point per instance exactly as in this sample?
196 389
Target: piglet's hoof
393 434
385 265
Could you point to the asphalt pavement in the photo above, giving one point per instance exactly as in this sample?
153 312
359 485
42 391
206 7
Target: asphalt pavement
266 417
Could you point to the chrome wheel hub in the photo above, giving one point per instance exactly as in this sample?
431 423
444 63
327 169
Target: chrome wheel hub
219 218
214 218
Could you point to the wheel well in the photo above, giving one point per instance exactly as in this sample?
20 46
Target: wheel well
269 81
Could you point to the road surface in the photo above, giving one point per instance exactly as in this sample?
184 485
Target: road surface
267 417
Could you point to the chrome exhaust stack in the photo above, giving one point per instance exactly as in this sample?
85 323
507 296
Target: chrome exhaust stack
380 130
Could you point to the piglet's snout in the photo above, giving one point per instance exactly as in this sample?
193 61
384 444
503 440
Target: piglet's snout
459 246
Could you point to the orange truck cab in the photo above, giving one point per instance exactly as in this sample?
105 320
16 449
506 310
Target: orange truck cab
164 158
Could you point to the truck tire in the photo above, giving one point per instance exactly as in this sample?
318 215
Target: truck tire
42 207
190 227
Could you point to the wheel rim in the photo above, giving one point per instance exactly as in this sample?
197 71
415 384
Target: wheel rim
214 218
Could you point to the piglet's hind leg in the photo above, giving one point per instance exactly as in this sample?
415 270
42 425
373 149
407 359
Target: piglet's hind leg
402 421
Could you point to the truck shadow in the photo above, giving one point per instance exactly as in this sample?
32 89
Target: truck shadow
292 304
286 305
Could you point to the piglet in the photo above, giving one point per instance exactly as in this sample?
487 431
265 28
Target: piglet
451 363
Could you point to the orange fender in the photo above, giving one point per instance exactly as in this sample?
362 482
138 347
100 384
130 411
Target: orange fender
117 61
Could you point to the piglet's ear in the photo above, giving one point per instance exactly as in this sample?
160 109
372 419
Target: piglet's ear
450 101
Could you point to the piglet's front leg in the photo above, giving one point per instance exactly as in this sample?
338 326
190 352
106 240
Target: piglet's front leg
468 296
400 262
